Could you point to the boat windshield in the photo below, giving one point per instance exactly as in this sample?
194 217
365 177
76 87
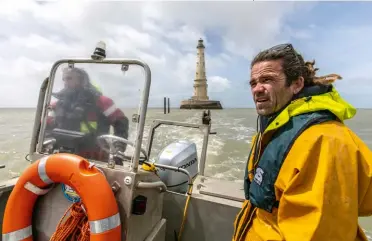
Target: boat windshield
90 100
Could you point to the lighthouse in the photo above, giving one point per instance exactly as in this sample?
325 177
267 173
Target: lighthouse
200 81
200 98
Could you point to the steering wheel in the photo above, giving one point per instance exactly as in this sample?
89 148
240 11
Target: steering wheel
110 139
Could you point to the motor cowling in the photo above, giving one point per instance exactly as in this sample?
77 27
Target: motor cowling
182 154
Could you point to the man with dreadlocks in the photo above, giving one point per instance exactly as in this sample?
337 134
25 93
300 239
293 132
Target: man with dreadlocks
82 107
308 176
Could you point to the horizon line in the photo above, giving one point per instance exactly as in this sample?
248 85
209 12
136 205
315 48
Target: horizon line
172 108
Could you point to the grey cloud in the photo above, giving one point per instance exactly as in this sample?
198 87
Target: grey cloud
164 34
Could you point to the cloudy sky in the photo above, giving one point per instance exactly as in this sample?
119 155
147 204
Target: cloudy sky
338 35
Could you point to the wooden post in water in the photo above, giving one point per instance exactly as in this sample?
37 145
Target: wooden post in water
168 105
165 105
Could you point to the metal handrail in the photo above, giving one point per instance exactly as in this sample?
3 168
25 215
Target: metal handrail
178 169
149 185
206 129
39 109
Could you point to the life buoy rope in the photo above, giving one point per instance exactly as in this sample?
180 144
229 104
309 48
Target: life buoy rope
87 180
75 227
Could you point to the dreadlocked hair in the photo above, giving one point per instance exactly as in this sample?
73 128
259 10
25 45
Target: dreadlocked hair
294 66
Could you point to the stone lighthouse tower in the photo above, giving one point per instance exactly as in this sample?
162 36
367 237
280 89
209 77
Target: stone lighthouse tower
200 99
200 82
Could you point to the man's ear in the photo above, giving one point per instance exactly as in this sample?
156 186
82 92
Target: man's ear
298 85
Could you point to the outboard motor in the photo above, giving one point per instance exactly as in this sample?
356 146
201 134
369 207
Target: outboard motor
182 154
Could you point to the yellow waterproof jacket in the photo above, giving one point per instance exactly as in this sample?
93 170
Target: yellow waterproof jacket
323 186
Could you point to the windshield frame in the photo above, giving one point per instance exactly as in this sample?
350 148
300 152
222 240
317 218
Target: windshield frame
143 101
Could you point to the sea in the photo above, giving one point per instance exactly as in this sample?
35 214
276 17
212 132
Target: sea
227 151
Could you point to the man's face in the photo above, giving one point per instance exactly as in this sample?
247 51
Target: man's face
71 79
268 85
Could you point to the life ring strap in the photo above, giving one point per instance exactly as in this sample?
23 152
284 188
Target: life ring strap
41 168
103 225
36 190
20 234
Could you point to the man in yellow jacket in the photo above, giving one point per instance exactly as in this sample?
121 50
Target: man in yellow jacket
308 176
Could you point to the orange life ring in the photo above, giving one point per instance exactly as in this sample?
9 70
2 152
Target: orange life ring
88 181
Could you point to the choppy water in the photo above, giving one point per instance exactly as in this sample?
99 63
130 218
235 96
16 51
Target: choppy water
227 151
